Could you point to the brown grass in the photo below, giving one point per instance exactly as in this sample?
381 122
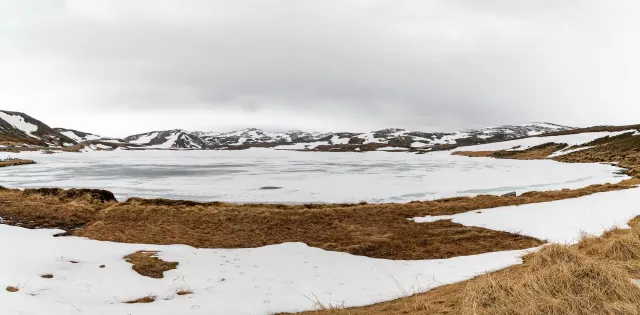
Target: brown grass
184 292
534 153
591 129
46 208
47 276
474 153
373 230
8 163
12 289
143 300
592 277
147 264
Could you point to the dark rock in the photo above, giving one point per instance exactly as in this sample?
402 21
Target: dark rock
511 194
270 187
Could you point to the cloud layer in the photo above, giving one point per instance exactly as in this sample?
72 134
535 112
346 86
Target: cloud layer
120 67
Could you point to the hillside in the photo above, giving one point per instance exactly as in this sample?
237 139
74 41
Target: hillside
18 129
76 135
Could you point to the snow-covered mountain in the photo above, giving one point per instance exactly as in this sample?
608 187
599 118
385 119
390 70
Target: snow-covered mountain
400 138
77 136
254 136
168 139
18 129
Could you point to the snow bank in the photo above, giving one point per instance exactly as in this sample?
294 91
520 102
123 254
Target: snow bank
565 151
266 280
559 221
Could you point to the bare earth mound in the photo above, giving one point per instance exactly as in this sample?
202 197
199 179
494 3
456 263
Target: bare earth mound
147 264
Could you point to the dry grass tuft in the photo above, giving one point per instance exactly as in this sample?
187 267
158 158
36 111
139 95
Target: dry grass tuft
147 264
143 300
557 280
474 153
12 289
184 292
47 276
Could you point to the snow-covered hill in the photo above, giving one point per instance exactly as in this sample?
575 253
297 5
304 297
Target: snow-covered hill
77 136
169 139
18 129
254 136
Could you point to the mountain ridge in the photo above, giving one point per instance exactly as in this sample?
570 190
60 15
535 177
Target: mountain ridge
21 130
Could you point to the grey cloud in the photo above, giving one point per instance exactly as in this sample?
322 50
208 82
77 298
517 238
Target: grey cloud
417 64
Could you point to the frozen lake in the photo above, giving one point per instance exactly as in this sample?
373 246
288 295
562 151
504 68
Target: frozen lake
238 176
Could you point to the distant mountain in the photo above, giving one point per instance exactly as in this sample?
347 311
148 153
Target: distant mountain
253 136
345 141
77 136
169 139
18 129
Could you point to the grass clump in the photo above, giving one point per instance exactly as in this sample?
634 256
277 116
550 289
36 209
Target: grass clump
147 264
12 289
47 276
143 300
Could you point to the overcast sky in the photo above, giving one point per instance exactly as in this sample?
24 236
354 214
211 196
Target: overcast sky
119 67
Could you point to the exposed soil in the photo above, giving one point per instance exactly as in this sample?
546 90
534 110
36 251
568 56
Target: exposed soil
144 300
146 263
12 289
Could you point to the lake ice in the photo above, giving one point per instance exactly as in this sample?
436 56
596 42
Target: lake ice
237 176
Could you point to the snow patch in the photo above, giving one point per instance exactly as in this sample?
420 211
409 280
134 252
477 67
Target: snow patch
260 281
145 139
567 151
560 221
